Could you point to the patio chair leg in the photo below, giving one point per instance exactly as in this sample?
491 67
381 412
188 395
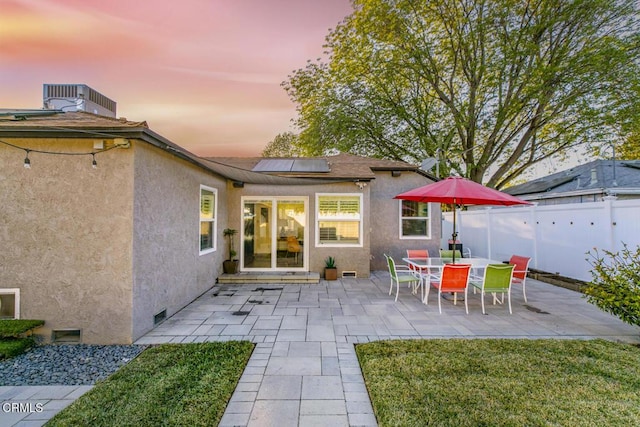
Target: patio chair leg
482 297
466 306
439 301
397 290
524 293
509 298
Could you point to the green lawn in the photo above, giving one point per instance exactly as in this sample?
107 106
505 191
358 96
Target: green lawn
478 382
171 384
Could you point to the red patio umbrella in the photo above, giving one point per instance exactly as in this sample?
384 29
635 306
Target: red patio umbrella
456 190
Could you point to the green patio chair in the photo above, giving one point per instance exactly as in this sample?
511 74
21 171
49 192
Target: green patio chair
448 253
401 274
497 280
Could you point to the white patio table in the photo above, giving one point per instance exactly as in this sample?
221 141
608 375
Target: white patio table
434 265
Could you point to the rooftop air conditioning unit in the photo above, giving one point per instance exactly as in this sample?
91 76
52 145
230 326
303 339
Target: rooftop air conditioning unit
77 97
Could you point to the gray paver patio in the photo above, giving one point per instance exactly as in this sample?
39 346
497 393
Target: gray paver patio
304 370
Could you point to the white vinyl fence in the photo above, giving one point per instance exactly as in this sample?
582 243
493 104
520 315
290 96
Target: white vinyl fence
556 237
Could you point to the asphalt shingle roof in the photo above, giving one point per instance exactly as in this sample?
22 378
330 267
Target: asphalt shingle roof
596 175
78 124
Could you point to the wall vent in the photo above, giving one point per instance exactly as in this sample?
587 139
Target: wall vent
349 274
160 317
66 336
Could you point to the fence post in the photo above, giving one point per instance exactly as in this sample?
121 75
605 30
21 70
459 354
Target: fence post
534 225
608 221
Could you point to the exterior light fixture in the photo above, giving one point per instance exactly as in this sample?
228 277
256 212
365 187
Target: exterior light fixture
27 162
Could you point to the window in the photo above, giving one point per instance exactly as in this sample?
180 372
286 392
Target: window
10 303
339 219
414 220
208 210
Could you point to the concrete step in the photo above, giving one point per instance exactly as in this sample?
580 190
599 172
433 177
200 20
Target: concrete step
271 277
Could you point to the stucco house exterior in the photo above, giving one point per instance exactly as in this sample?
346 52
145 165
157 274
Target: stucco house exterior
103 254
350 215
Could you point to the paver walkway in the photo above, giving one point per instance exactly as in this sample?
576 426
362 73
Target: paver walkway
304 371
30 406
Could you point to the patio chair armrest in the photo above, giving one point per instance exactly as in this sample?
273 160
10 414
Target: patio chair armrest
476 283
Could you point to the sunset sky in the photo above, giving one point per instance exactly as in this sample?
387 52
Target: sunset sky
205 74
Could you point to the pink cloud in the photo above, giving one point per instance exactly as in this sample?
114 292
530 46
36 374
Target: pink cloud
224 57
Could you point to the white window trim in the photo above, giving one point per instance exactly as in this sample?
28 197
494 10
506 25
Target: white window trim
214 220
16 293
318 219
274 231
400 218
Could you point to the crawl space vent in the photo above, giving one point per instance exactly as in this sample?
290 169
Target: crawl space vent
66 336
349 274
160 317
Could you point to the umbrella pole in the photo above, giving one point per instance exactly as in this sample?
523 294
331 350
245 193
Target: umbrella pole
454 235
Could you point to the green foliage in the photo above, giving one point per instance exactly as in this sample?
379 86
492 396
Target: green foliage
493 86
630 148
172 384
13 328
229 233
330 262
14 346
615 285
283 145
510 382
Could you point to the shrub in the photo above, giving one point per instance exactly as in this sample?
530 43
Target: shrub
13 347
13 328
615 287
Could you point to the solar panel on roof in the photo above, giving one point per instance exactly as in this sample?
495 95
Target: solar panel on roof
292 165
273 165
310 165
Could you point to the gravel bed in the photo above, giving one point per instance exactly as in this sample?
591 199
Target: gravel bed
66 364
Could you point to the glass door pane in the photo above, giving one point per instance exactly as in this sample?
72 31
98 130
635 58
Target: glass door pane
291 225
258 234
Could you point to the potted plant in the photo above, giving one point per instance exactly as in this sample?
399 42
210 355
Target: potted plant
330 270
230 266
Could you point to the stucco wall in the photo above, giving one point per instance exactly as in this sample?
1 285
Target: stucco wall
385 220
65 234
168 271
347 258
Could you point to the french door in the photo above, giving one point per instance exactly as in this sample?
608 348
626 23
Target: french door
274 234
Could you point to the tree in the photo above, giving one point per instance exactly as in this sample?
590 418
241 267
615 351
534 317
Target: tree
493 86
283 145
630 147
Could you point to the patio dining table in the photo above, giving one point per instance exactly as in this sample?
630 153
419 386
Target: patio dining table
434 265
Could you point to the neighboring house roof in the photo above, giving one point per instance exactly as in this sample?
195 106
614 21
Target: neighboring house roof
596 177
